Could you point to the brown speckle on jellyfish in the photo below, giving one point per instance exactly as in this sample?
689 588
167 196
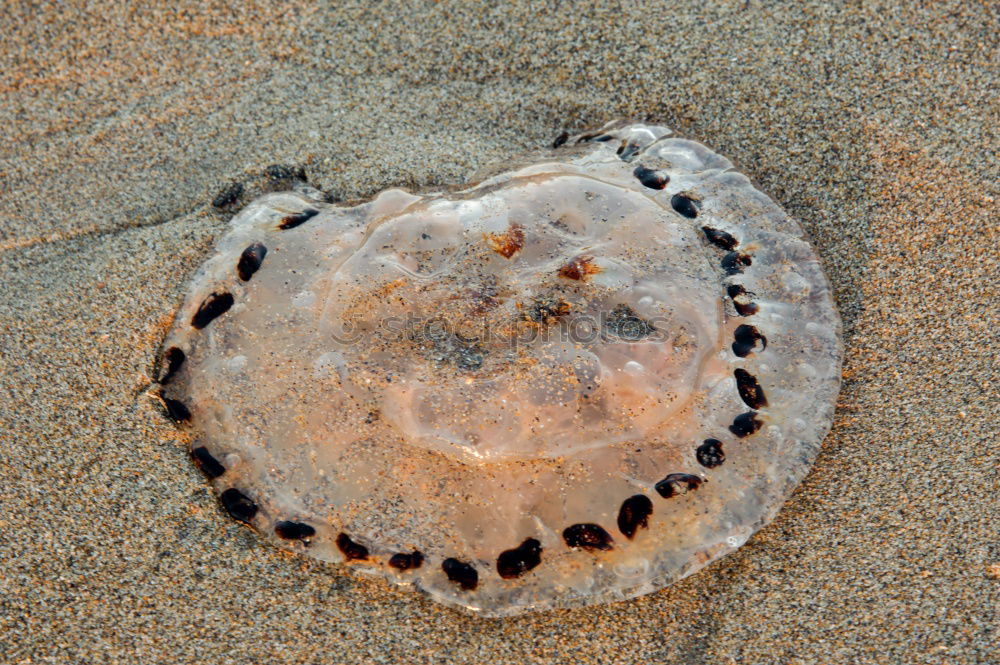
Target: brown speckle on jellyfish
579 268
509 243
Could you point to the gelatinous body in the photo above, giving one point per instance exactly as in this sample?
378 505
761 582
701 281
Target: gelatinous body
573 382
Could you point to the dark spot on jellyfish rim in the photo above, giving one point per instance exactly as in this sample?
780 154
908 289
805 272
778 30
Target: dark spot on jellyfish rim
745 339
406 561
291 221
519 560
710 453
634 514
750 391
685 205
351 550
720 238
735 262
745 424
287 530
623 322
176 410
238 505
678 483
250 261
650 178
460 573
173 358
741 300
627 151
560 140
579 268
603 138
228 195
204 460
587 536
212 308
285 172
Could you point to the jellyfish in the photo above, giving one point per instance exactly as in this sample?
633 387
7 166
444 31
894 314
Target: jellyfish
577 379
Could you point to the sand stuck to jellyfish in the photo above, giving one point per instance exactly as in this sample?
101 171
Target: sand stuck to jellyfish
575 381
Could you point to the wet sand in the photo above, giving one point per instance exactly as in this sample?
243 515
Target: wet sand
875 126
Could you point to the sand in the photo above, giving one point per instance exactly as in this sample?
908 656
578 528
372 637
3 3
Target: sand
874 124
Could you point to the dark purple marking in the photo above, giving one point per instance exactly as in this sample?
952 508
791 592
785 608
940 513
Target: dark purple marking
238 505
461 573
741 300
250 261
710 453
745 339
685 205
626 151
352 551
404 561
720 238
516 562
291 221
173 358
745 424
678 483
293 530
634 514
176 410
213 307
734 262
750 391
204 460
650 178
588 536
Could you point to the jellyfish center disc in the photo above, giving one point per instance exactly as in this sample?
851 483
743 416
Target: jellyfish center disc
552 315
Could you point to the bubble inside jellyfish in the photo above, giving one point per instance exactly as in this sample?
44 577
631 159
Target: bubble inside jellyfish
574 381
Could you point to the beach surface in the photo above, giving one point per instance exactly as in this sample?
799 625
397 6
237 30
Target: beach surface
873 124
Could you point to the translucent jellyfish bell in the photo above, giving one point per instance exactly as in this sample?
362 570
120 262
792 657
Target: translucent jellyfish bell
573 382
